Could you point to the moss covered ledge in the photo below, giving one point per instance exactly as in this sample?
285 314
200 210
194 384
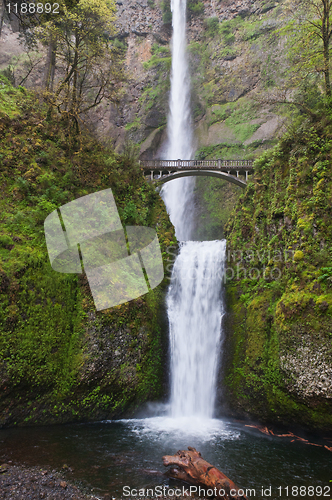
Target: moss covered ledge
278 364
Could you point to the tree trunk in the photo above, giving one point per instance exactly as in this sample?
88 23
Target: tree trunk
50 65
2 14
326 44
75 77
191 467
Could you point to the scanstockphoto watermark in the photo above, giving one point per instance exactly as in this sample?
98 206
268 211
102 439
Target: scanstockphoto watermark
159 491
239 265
120 262
232 256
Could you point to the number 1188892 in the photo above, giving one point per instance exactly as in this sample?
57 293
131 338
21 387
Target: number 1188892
305 491
32 8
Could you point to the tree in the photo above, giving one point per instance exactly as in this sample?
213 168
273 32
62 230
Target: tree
309 34
88 63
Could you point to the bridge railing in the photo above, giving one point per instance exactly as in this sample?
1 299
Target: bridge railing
197 164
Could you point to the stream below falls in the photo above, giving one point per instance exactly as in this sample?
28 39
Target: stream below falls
107 456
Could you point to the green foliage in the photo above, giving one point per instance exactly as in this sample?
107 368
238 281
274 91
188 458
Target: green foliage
120 45
157 49
166 10
91 61
154 95
195 7
9 98
129 213
236 116
228 53
241 112
280 231
47 319
5 240
228 30
219 113
212 26
253 30
308 34
227 151
7 76
326 274
134 125
162 63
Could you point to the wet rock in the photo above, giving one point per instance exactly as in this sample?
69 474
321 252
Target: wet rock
29 483
308 367
154 118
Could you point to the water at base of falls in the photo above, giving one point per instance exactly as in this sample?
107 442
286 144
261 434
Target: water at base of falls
195 310
107 456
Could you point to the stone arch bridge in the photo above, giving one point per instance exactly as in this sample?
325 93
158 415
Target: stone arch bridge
161 171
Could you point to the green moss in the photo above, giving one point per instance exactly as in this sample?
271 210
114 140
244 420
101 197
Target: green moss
280 295
134 125
9 98
298 255
155 61
51 336
166 10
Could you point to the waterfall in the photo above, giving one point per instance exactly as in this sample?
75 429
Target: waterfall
178 194
195 310
194 299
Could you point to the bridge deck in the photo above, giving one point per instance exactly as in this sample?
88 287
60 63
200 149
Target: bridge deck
197 164
166 170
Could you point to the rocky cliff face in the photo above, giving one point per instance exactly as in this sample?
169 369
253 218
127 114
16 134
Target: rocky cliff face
232 56
234 53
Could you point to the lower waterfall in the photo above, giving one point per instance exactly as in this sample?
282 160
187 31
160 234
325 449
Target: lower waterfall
195 310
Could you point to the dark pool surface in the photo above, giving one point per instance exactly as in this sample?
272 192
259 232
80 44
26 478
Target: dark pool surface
110 455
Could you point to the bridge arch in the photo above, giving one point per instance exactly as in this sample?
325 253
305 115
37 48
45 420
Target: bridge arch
188 173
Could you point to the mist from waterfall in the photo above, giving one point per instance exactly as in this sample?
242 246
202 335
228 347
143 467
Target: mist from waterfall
178 194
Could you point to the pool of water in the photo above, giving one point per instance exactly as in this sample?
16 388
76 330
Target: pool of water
107 456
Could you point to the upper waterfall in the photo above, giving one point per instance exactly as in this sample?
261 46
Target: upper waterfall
180 144
179 125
